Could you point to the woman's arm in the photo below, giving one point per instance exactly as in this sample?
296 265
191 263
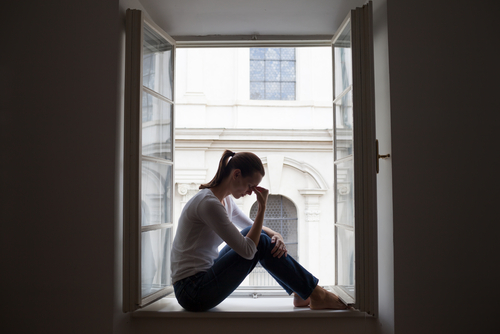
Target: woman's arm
255 230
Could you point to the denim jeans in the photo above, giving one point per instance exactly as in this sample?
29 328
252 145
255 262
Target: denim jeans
205 290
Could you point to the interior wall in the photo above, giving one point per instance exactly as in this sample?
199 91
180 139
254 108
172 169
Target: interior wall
444 73
384 178
58 89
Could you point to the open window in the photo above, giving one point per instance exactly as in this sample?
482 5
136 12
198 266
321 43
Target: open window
354 160
148 161
149 156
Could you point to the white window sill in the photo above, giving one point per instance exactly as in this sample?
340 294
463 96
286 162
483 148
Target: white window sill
244 307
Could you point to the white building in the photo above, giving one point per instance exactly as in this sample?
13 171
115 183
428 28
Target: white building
215 111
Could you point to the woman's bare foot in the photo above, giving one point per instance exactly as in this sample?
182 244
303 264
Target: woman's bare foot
322 299
299 302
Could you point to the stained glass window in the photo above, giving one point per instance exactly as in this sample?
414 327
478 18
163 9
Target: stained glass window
272 74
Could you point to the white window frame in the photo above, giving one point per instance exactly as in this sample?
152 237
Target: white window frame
133 158
365 158
364 145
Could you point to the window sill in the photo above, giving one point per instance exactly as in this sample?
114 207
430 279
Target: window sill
263 307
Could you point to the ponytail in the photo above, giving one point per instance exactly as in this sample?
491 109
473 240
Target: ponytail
246 162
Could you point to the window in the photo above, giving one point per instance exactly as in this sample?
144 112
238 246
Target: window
149 156
149 163
280 216
272 74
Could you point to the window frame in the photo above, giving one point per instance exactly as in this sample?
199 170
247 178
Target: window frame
133 159
364 140
365 158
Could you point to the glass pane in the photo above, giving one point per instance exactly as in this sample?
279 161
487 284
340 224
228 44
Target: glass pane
288 90
156 127
156 193
273 70
343 61
273 90
257 91
344 177
288 70
344 126
155 260
258 53
343 69
345 256
273 53
288 53
157 62
257 70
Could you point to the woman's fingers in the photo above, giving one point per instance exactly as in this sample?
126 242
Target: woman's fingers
261 193
279 249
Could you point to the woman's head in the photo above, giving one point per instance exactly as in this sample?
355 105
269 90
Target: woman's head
246 162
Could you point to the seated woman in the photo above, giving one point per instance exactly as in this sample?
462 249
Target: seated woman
203 277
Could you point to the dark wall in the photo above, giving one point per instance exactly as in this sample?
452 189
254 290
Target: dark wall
58 145
445 113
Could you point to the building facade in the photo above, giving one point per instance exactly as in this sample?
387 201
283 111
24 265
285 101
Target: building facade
218 107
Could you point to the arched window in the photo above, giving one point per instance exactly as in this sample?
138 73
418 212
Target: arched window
280 216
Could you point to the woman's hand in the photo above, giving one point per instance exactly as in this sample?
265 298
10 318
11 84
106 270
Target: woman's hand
262 194
280 248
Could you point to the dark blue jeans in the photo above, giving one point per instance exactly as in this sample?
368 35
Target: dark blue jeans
206 290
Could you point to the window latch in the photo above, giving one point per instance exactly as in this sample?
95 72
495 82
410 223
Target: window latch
384 156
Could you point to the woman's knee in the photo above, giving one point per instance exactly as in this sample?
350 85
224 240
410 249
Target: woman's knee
245 230
264 241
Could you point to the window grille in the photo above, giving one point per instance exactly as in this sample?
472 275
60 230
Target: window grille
272 74
280 216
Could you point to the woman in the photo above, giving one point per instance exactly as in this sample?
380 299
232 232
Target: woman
204 277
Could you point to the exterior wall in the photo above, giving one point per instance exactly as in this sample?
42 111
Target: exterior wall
293 138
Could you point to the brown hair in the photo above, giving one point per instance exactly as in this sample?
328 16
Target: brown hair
247 162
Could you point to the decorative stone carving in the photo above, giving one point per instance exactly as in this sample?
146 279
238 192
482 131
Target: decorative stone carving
344 189
183 189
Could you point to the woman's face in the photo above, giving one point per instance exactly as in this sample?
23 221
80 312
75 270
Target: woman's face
242 186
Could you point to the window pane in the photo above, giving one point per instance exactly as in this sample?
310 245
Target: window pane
273 90
273 53
156 127
257 70
345 256
273 70
344 126
288 53
156 193
344 177
288 70
158 65
288 90
257 91
258 53
155 260
343 69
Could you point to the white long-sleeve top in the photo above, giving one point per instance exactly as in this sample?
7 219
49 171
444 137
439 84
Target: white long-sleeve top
203 225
